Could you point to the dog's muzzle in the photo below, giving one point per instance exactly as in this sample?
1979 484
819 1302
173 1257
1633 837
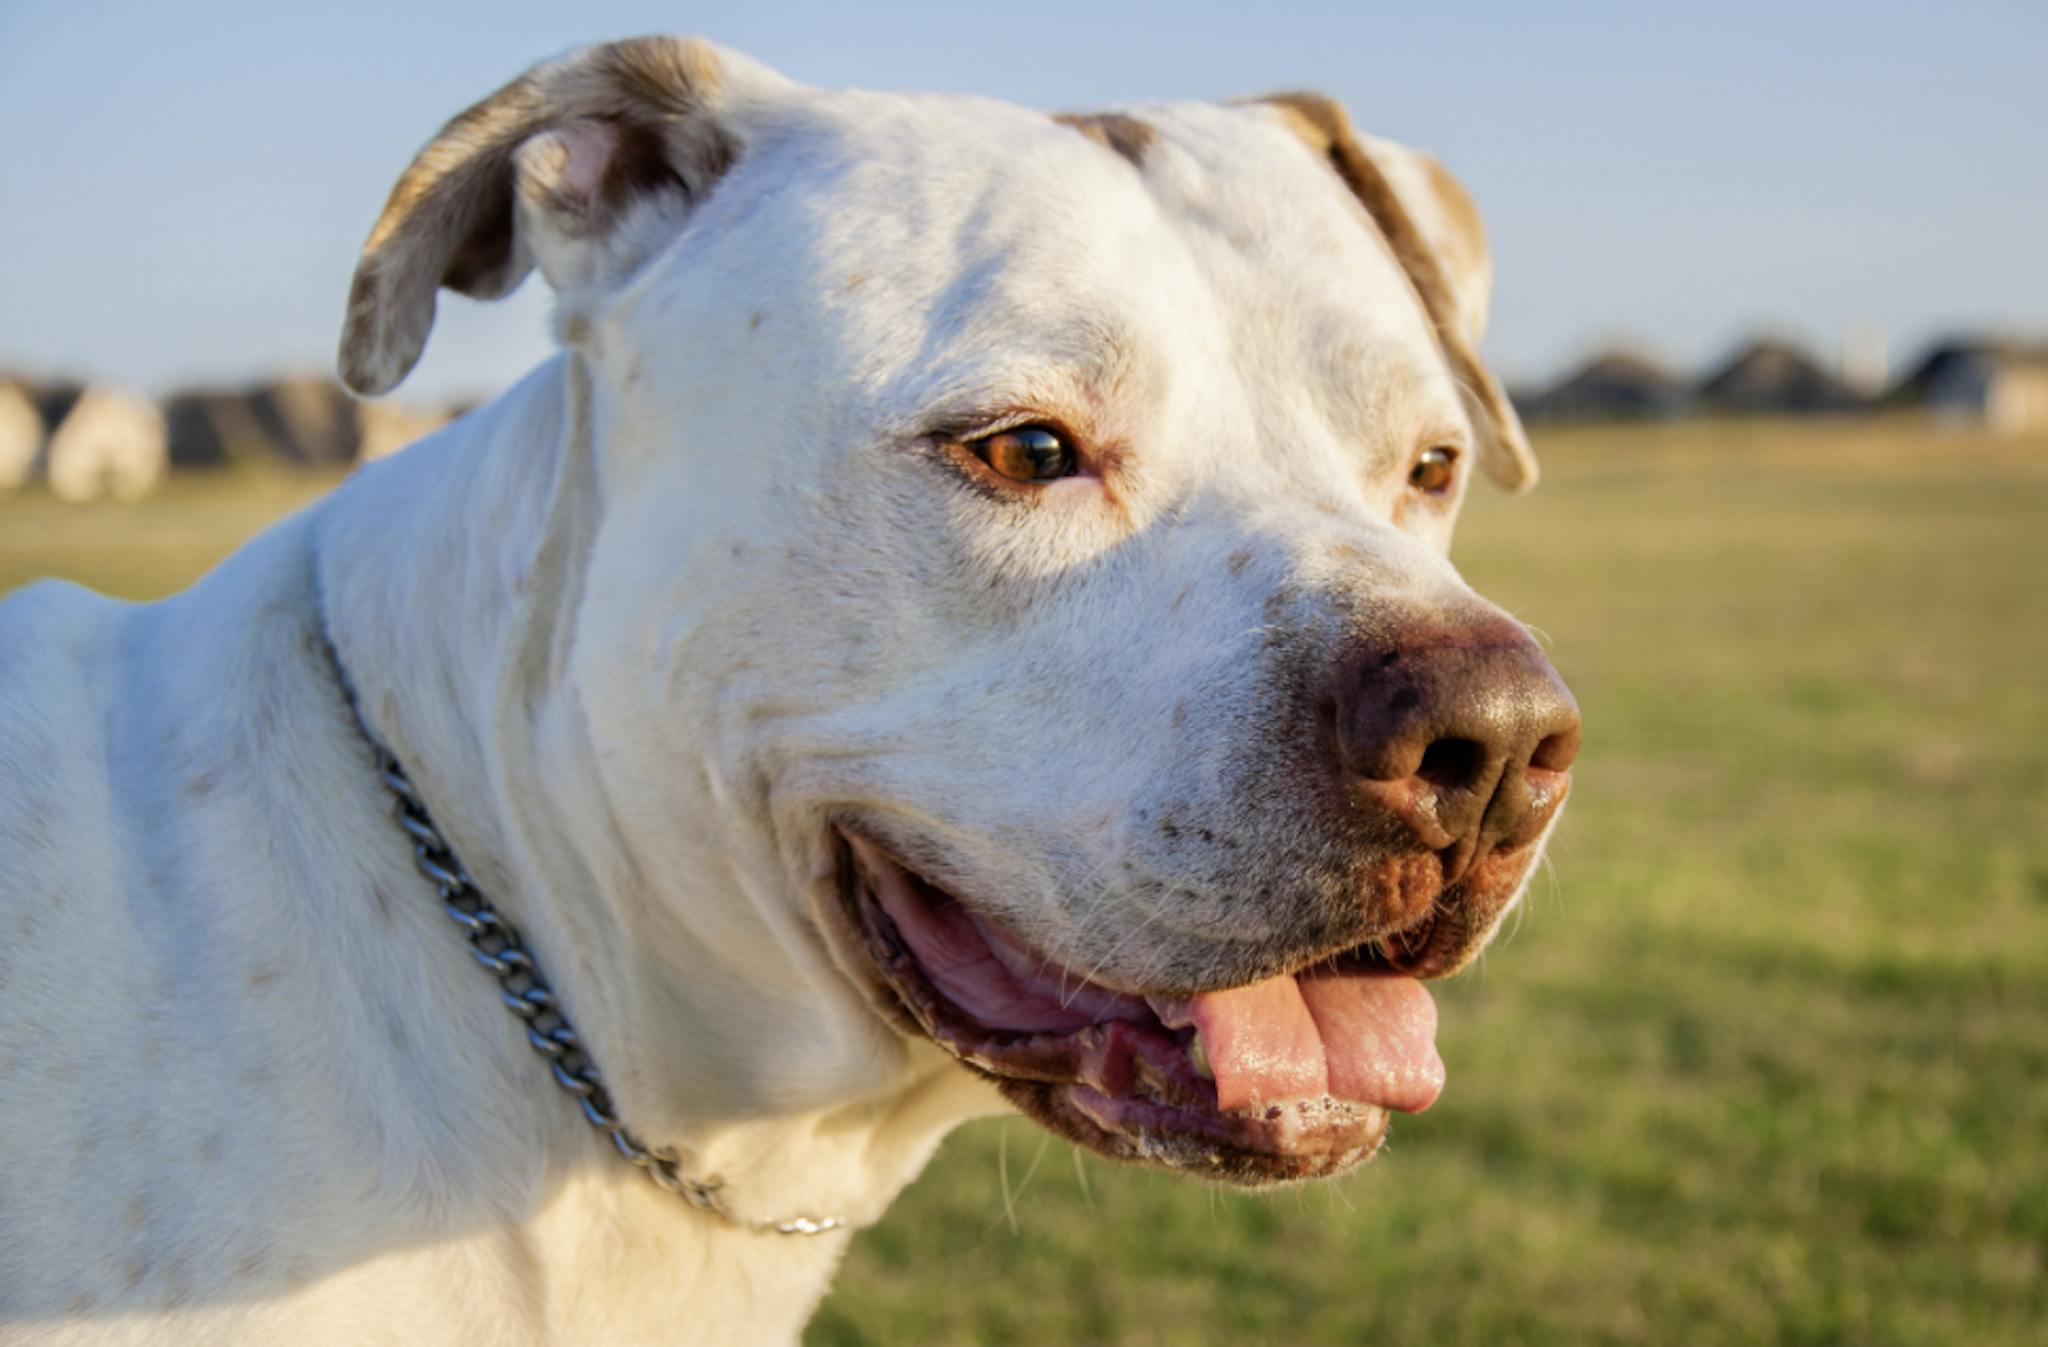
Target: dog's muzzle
1292 1076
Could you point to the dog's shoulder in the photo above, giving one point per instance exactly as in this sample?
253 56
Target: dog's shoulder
53 642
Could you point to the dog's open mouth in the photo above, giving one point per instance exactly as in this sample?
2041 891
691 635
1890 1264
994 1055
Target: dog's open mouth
1291 1077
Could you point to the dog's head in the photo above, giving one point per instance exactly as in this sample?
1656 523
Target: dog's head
1029 533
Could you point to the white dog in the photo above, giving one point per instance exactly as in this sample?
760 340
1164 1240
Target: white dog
963 623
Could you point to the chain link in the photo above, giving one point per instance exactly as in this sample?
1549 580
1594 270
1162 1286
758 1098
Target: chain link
495 943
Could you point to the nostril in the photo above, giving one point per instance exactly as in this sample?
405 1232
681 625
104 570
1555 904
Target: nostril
1452 764
1557 752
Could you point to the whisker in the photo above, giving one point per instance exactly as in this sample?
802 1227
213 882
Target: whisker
1116 946
1044 1140
1009 1212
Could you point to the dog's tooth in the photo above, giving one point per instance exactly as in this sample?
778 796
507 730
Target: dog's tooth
1198 1057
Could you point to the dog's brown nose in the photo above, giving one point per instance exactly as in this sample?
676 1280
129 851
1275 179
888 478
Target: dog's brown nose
1463 734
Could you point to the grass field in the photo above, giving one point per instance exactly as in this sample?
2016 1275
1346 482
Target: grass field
1767 1059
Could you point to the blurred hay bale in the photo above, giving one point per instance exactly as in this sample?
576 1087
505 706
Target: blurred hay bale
112 444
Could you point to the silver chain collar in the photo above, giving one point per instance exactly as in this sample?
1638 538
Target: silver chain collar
495 943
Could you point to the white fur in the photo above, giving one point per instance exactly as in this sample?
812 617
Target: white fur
640 629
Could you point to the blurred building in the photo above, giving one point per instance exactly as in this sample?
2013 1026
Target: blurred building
216 429
310 419
306 422
1772 375
103 441
1612 385
111 444
2003 384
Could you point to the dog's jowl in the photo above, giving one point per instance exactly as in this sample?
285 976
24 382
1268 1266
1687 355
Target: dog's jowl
962 624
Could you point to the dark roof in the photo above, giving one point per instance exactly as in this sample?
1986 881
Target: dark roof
1771 375
210 428
306 420
1944 356
313 418
1615 383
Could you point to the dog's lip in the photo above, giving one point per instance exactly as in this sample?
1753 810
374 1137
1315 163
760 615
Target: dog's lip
1110 1068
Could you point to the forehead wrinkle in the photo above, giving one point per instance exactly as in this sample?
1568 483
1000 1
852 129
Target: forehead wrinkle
1370 377
1115 364
1297 271
1361 411
1093 368
1380 397
1298 245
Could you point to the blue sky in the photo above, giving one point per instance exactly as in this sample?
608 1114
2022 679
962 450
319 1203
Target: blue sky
185 185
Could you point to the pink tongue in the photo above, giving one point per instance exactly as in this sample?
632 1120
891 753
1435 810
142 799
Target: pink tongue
964 965
1366 1038
985 973
1369 1039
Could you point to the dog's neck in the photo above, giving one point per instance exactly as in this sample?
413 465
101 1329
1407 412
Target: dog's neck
459 641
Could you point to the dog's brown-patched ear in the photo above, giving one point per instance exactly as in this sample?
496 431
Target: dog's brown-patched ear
542 172
1431 226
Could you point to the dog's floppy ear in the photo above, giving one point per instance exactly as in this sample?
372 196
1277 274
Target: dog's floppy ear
558 168
1435 235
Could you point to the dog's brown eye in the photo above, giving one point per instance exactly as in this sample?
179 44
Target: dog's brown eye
1434 472
1026 453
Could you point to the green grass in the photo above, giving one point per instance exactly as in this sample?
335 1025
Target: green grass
1767 1058
147 548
